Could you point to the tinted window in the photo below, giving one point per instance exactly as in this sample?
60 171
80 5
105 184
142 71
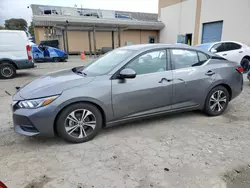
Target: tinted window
202 57
184 58
232 46
219 47
150 62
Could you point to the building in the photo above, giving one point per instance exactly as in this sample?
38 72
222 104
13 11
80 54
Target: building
89 30
202 21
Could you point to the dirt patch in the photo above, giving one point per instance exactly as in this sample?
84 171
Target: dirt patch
39 183
238 178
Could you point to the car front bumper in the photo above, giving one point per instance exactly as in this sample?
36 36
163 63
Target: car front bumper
31 122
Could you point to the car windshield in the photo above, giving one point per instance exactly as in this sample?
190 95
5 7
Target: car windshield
108 62
205 47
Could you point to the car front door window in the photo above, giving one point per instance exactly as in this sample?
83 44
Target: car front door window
220 47
150 62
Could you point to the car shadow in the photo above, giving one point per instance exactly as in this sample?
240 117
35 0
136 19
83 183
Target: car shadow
24 74
146 122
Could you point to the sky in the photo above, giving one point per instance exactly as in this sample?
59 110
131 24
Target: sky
18 8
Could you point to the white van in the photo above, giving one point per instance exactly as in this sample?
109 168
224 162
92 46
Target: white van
15 53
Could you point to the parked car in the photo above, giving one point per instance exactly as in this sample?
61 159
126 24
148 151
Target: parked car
128 83
248 75
45 53
15 53
233 51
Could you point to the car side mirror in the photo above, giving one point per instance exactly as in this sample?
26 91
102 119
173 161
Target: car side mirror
127 73
213 50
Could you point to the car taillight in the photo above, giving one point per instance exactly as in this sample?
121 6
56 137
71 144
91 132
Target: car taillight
240 69
28 48
2 185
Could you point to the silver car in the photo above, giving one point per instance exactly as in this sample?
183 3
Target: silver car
129 83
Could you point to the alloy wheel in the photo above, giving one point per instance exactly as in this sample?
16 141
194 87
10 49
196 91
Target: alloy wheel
218 101
80 123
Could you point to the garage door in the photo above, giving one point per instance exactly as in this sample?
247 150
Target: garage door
212 32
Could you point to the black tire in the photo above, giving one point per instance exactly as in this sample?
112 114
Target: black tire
7 71
62 120
245 63
209 104
56 59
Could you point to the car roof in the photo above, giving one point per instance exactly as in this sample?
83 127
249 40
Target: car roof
144 47
211 43
153 46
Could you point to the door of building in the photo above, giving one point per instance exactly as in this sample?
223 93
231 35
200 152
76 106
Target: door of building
212 32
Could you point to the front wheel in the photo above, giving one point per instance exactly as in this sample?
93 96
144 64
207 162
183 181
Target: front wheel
7 71
79 122
245 63
216 101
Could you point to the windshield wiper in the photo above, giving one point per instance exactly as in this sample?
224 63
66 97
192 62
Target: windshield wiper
81 73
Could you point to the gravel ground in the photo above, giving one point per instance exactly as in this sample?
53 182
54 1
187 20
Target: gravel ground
181 150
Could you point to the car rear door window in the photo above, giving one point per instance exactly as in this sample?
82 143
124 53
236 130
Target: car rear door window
154 61
220 47
186 58
229 46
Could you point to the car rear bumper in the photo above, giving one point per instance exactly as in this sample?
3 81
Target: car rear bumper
237 86
24 64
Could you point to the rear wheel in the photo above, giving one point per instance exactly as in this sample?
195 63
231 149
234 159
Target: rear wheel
79 122
217 101
7 71
245 63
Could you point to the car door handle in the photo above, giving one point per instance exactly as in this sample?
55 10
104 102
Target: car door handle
210 73
224 54
240 52
164 79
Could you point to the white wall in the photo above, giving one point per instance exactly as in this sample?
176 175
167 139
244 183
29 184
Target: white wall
178 19
235 15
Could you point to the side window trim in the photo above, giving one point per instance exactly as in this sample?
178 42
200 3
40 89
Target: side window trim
115 75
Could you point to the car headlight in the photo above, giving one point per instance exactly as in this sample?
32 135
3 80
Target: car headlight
36 103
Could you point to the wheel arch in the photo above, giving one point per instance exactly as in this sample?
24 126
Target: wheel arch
67 104
229 89
247 57
6 60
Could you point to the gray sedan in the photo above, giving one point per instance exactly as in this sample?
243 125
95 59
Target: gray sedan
126 84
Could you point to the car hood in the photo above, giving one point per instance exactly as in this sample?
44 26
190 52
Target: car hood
52 84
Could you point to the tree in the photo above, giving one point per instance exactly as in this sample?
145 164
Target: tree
16 24
31 29
1 27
